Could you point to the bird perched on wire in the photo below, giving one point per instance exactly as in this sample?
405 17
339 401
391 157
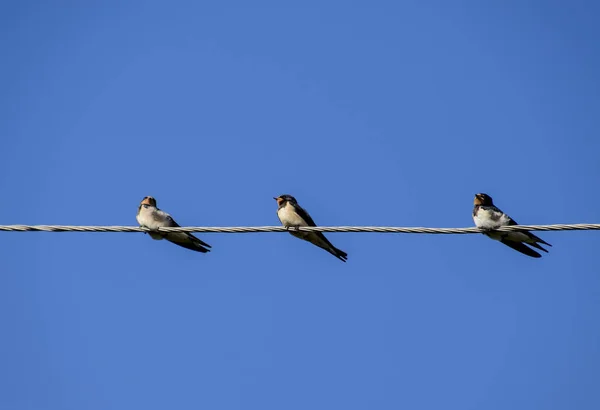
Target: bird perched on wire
293 215
149 216
488 217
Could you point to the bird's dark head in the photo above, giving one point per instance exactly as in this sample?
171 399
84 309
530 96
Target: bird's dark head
148 200
282 199
483 199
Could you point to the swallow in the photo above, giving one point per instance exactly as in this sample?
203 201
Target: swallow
488 217
149 216
293 215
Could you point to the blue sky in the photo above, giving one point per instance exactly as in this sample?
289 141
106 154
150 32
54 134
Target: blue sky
390 113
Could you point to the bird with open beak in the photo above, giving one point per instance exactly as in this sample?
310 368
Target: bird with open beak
293 215
488 217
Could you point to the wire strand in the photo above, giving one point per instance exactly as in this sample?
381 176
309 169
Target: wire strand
257 229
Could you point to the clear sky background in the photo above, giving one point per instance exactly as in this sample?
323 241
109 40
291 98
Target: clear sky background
392 113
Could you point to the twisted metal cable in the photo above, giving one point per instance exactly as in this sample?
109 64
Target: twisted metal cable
254 229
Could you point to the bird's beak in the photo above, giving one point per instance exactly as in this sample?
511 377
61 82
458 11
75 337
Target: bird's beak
275 198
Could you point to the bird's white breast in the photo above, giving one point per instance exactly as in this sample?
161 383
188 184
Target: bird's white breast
490 219
288 216
150 218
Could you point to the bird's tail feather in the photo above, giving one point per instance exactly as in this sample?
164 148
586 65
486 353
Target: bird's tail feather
536 245
536 239
338 253
521 247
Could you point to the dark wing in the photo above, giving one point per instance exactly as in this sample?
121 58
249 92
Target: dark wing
521 247
338 253
171 222
532 236
185 239
511 221
188 241
304 215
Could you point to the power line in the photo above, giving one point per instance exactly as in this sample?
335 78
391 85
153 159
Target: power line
256 229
